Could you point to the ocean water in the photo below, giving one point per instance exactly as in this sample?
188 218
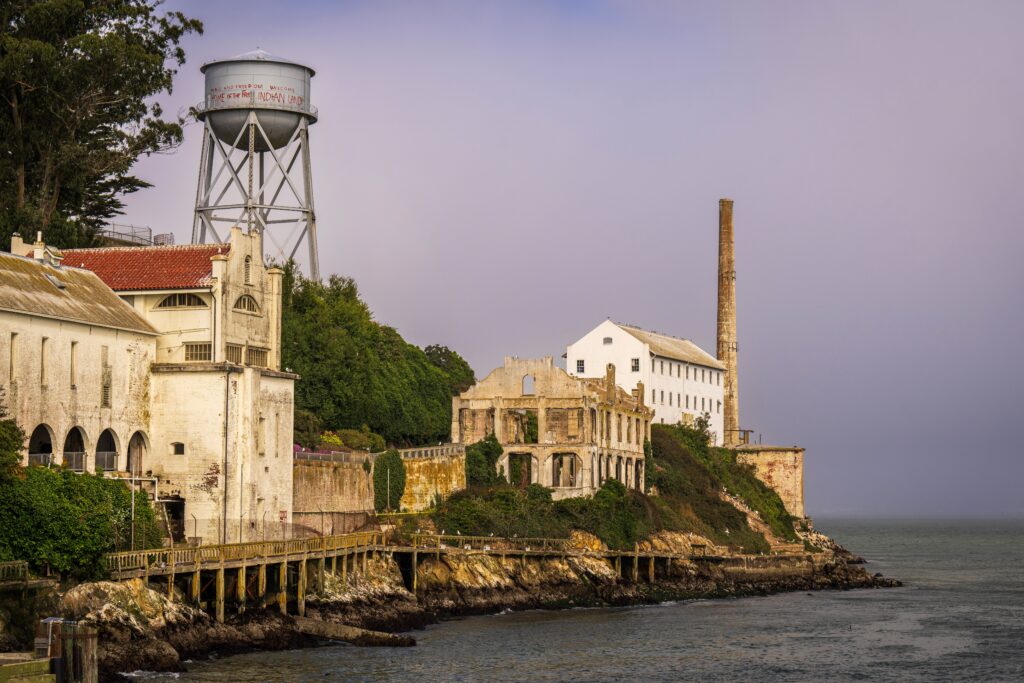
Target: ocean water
959 617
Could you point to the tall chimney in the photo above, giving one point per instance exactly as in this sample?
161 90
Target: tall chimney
727 347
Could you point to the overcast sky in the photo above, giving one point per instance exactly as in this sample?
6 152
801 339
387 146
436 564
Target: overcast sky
500 177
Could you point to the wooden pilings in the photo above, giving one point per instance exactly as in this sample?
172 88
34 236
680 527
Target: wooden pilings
300 589
282 588
220 595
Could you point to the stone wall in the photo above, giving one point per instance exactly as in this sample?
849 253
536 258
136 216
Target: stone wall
781 468
426 478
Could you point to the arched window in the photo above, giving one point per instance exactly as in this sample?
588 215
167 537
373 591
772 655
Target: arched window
528 382
182 300
247 303
248 270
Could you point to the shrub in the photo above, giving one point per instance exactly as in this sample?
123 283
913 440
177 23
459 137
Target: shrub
388 481
482 462
307 429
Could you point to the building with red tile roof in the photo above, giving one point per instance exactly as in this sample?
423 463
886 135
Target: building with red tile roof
134 269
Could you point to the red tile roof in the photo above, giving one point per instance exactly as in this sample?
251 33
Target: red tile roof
125 269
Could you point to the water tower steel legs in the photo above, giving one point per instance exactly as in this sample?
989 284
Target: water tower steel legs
222 196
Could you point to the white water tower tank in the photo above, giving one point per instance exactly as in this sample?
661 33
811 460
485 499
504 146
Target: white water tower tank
276 89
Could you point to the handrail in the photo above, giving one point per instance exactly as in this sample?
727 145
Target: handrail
16 570
489 542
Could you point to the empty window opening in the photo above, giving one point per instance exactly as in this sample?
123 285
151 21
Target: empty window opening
563 470
74 364
40 447
182 300
528 382
177 448
606 341
43 345
74 450
520 469
247 304
106 452
521 426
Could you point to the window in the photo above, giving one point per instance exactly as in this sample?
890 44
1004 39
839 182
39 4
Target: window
234 354
248 270
128 299
580 365
197 352
702 403
687 372
654 396
662 366
618 428
42 361
718 378
679 401
177 448
662 397
247 303
634 364
74 364
106 377
652 365
670 398
702 379
13 355
182 300
687 401
719 406
606 341
527 385
256 357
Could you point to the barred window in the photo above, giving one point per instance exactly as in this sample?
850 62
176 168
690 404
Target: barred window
235 354
257 357
198 352
248 270
247 303
182 300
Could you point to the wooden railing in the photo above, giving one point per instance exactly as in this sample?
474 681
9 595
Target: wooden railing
489 543
13 571
186 558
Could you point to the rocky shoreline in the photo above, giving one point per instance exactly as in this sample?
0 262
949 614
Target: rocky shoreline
141 629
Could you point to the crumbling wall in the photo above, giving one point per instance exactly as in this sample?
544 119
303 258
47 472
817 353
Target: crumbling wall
330 494
426 478
781 468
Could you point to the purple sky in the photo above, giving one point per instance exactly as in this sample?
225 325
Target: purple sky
500 177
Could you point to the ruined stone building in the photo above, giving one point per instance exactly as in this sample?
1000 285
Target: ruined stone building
160 365
563 432
683 381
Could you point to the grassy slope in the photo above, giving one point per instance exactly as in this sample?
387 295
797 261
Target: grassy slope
688 476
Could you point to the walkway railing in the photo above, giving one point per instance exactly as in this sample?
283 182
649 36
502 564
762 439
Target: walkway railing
13 571
164 560
74 460
491 543
106 461
40 459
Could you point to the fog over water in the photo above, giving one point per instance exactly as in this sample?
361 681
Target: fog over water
499 177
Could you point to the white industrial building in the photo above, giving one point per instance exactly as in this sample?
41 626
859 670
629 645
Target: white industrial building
681 381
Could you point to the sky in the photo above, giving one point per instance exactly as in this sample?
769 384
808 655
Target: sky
500 177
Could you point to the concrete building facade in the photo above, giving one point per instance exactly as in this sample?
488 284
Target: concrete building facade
682 380
160 365
563 432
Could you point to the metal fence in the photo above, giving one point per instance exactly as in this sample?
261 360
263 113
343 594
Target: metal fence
133 234
106 461
74 461
40 459
13 571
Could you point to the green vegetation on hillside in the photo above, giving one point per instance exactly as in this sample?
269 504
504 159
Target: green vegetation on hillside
358 372
686 473
78 108
388 481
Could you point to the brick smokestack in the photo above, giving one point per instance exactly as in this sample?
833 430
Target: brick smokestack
727 346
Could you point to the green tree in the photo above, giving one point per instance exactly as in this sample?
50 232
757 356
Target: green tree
460 375
356 371
482 462
12 440
78 82
388 481
306 426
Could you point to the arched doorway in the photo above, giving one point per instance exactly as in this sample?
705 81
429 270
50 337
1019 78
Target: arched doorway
40 446
564 468
74 450
106 451
137 447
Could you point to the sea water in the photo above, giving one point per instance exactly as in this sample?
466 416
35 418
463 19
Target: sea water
959 617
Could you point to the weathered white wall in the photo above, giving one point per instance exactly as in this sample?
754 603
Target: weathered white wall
59 405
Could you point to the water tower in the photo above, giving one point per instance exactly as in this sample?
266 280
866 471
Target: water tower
255 171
